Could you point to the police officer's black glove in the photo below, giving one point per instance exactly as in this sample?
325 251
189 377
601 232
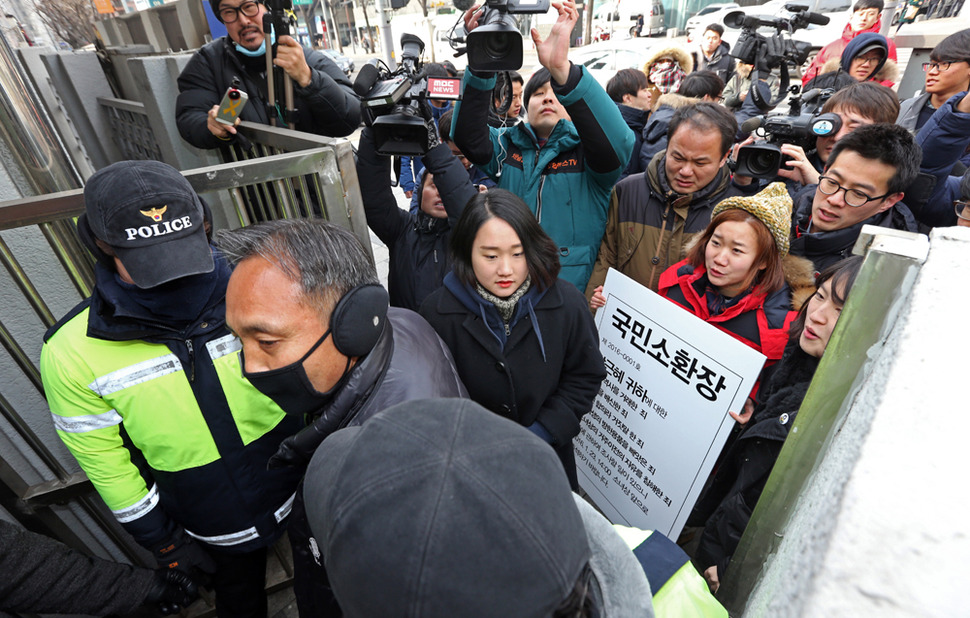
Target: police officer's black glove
183 553
172 590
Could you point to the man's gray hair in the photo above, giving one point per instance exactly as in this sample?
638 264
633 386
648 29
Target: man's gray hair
326 259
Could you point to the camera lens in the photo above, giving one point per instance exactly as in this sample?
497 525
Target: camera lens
764 162
498 45
233 94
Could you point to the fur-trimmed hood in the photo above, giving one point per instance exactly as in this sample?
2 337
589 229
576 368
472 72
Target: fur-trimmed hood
888 74
674 100
681 55
799 274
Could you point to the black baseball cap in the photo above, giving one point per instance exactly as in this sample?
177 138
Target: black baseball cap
440 508
152 218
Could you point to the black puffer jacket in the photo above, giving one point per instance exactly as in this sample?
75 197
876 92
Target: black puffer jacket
418 243
725 507
327 106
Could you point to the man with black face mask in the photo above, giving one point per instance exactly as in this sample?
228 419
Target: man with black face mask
144 385
319 339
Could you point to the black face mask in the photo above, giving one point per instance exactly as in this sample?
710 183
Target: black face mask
290 387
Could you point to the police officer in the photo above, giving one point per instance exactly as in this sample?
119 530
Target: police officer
145 388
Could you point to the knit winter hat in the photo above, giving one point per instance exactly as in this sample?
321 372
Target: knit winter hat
772 206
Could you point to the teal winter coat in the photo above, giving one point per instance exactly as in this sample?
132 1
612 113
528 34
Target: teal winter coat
567 182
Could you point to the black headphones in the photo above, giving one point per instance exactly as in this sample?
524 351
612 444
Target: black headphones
357 320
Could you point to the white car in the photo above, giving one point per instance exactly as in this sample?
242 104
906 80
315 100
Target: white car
710 14
603 60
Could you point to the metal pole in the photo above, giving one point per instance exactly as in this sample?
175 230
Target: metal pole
387 38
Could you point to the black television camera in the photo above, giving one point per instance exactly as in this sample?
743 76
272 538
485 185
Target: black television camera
394 103
496 43
767 53
800 126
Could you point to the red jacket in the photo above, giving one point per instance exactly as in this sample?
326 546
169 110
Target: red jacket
759 321
836 47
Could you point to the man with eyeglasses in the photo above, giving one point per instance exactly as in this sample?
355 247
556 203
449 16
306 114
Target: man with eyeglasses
323 96
947 74
863 183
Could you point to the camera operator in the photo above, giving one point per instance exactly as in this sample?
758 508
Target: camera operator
857 105
564 160
323 97
418 241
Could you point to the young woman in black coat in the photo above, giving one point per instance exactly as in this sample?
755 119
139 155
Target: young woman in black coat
725 507
524 343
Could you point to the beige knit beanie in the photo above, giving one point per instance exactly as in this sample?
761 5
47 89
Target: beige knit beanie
772 206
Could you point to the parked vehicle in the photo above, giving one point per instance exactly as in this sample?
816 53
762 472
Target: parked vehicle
710 14
346 64
621 17
603 60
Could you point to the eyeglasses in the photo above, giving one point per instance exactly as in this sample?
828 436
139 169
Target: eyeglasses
853 197
867 59
230 14
936 66
962 208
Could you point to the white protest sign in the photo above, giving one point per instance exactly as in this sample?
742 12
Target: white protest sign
661 416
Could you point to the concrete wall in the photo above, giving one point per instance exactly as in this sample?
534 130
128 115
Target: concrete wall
881 529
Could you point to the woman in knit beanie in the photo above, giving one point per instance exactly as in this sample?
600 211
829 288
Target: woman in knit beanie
738 274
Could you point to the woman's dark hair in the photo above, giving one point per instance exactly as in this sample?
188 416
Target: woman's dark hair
541 252
771 278
579 602
842 275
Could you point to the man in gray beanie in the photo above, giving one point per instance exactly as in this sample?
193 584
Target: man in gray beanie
439 508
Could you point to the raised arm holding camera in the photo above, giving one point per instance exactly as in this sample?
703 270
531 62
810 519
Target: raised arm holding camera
564 160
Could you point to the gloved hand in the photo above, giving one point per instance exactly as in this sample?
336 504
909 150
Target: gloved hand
183 553
298 449
172 590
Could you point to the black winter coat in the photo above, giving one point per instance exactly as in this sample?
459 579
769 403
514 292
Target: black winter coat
417 243
408 362
41 575
327 106
725 506
553 382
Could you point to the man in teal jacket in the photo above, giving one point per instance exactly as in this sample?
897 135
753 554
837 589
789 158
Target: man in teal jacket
564 161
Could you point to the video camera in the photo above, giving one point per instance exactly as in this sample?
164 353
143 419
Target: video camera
496 43
394 102
767 53
798 127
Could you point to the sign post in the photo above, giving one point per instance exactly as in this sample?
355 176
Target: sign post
661 417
